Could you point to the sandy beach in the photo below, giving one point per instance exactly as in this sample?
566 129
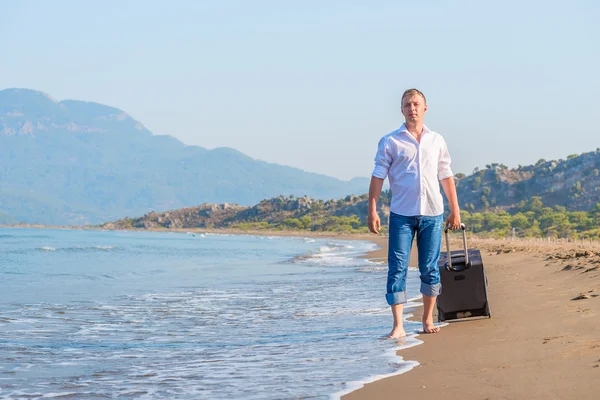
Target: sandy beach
543 341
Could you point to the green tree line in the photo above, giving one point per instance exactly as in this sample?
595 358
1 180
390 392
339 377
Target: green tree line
350 224
532 219
528 219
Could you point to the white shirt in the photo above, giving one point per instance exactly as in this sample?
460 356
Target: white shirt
414 171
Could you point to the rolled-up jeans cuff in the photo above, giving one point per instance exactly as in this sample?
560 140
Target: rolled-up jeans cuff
396 298
431 290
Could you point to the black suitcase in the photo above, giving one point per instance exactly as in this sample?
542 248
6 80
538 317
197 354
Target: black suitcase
464 283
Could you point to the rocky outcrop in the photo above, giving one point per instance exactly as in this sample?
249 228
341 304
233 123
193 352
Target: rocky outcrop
274 211
573 183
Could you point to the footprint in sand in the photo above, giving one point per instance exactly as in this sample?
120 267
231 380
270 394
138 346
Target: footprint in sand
591 269
570 267
582 296
588 295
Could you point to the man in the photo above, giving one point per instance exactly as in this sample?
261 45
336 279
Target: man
414 159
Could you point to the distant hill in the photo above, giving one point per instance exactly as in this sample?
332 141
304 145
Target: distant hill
74 163
573 183
530 219
550 199
6 219
347 214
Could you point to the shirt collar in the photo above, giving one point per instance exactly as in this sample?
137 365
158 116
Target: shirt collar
404 129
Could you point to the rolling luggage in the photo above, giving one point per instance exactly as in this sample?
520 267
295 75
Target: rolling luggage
464 283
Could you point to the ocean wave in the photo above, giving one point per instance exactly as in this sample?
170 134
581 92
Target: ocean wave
104 247
378 267
78 249
335 246
332 260
367 311
372 269
195 234
336 254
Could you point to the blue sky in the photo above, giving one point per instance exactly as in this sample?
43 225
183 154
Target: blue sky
315 84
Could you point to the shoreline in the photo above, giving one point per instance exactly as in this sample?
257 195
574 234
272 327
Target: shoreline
293 233
285 233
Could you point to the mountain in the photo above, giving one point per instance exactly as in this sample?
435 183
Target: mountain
6 219
573 183
74 162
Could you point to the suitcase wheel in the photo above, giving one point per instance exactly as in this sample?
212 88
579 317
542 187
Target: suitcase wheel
487 311
441 316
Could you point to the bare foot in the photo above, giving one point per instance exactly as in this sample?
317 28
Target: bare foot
396 333
429 327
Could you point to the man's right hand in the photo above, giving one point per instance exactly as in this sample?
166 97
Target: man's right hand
374 192
374 223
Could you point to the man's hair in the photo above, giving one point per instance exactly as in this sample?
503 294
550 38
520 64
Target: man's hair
411 93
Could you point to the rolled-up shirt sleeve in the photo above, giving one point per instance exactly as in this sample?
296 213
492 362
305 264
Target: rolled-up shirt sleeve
383 160
444 170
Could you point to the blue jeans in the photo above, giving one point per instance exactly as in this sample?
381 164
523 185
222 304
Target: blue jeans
429 241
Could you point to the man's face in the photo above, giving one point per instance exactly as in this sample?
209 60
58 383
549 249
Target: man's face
414 108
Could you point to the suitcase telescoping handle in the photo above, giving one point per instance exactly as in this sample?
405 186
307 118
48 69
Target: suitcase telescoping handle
464 233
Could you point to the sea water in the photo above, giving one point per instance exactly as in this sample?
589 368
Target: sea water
147 315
